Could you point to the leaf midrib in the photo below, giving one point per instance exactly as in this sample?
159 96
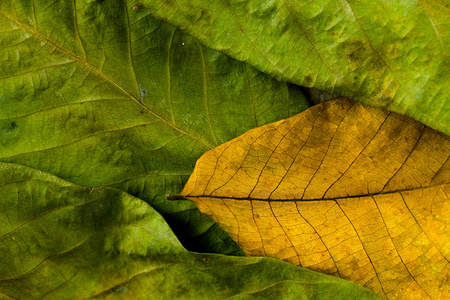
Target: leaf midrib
94 135
86 64
183 197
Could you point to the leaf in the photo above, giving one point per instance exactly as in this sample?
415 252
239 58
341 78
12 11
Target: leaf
388 54
341 188
112 245
100 95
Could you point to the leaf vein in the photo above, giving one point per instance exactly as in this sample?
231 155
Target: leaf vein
90 67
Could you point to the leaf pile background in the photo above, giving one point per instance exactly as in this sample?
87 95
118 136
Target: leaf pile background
104 110
126 111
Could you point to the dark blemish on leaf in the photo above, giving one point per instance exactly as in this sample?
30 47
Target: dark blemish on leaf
353 56
207 16
377 65
13 125
144 92
355 51
136 7
204 259
308 81
354 263
87 191
285 27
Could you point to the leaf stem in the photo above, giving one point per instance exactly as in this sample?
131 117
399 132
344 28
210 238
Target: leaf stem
175 197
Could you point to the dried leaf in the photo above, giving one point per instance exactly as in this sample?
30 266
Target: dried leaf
341 188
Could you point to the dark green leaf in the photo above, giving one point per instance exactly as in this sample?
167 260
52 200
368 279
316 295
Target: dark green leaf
62 241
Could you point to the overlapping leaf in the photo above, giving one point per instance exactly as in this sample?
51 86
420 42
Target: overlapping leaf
101 94
343 189
389 54
62 241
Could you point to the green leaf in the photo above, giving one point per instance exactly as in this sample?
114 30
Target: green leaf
63 241
101 94
388 54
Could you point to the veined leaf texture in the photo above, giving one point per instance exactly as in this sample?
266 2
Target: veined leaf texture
62 241
100 94
341 188
105 106
388 54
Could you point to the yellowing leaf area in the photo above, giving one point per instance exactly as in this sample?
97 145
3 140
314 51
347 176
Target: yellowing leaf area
342 189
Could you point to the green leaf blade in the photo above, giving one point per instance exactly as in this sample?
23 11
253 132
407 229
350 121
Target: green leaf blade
103 96
74 242
388 55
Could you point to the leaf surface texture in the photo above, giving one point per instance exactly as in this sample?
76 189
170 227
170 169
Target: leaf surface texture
103 95
341 188
113 245
388 54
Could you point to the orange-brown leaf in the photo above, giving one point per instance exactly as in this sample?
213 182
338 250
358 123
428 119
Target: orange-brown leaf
341 188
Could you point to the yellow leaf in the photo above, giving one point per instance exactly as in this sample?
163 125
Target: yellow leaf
342 189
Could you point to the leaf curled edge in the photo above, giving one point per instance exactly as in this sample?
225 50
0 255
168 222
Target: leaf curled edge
63 241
